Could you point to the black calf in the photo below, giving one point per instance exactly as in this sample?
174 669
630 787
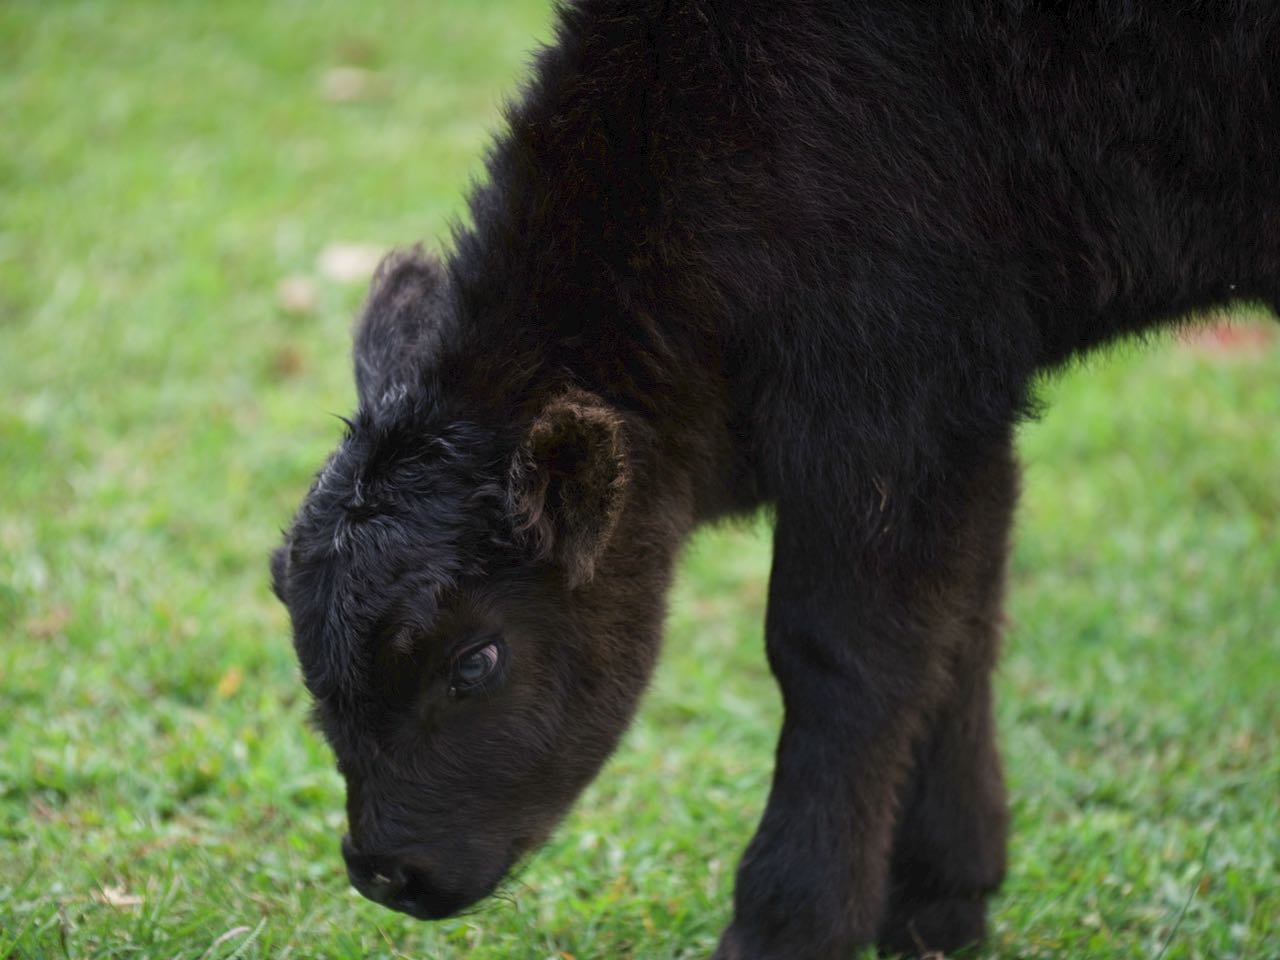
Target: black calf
807 254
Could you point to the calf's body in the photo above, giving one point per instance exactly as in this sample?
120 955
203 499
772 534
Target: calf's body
806 255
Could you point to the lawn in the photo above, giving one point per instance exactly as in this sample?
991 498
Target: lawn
185 191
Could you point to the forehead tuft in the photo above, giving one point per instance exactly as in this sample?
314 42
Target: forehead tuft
396 518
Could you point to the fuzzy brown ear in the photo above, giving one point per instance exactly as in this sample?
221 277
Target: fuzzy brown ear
568 481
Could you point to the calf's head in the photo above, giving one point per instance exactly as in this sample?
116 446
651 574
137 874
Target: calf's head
476 604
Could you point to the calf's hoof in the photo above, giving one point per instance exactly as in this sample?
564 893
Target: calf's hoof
921 928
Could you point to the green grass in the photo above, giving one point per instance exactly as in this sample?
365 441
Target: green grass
165 166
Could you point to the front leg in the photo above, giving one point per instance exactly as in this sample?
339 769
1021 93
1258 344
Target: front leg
949 849
851 640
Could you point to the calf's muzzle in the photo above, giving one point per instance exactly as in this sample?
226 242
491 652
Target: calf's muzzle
395 882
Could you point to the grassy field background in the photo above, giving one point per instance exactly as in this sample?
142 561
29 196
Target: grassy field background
179 185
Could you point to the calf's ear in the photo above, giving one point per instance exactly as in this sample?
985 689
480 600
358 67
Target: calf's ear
279 571
400 327
568 482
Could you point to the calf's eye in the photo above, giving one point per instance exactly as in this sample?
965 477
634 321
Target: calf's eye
473 667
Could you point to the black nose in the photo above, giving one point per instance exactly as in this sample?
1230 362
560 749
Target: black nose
400 885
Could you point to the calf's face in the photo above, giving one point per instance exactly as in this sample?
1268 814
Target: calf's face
473 635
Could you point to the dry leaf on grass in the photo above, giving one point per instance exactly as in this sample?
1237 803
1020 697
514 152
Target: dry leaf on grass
287 362
348 262
352 84
117 897
230 683
50 623
1241 339
296 294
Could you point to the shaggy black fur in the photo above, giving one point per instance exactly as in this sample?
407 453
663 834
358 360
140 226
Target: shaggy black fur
730 253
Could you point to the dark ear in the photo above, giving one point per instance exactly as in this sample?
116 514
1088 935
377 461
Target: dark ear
568 481
400 328
279 570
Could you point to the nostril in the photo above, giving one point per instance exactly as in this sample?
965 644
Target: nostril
420 896
379 879
414 890
385 885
